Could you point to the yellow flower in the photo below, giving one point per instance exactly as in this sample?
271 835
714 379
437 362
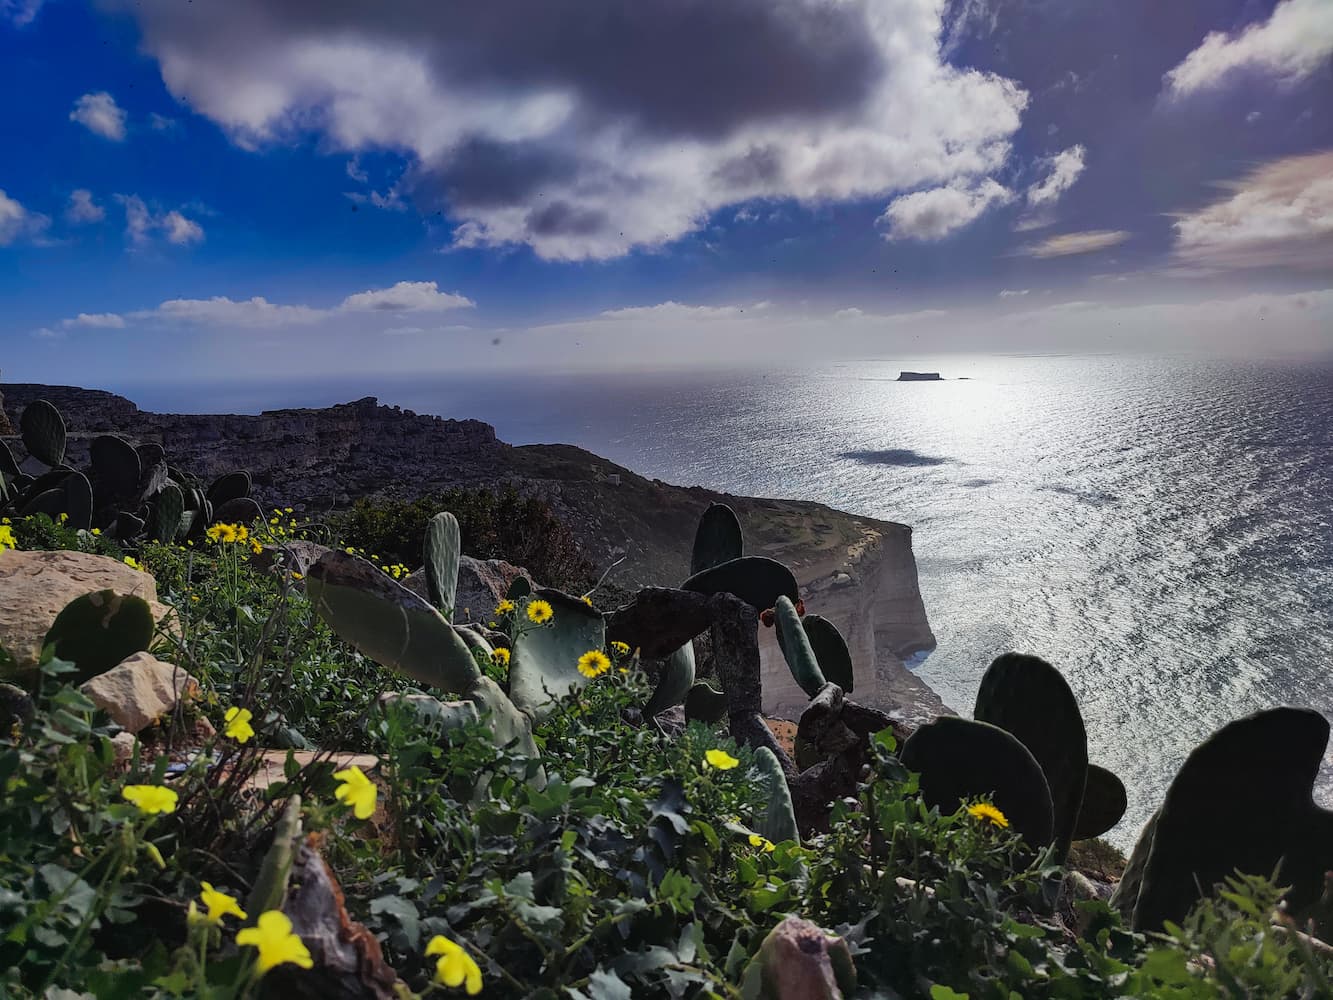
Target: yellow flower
356 791
594 663
133 563
287 510
242 533
221 533
272 520
297 576
150 799
720 759
539 612
504 607
989 813
7 537
195 598
501 657
273 936
586 599
63 518
96 532
219 904
455 966
238 724
621 648
255 547
764 842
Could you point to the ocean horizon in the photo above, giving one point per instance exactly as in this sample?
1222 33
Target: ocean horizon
1158 528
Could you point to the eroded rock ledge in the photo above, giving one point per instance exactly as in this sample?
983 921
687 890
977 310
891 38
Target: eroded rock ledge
858 572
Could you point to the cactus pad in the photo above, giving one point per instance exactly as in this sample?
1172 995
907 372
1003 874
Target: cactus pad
675 682
543 665
116 469
43 432
232 486
796 648
756 580
718 538
1104 804
441 551
778 822
705 704
97 631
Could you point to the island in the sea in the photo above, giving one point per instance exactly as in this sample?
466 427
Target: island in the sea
919 377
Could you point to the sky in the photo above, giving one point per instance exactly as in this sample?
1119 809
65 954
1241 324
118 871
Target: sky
257 188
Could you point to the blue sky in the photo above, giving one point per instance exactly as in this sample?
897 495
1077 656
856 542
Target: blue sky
217 190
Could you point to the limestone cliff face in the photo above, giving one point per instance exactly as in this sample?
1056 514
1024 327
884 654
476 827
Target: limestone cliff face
858 572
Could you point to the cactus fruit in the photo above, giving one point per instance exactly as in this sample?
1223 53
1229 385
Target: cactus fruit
705 704
796 648
167 514
756 580
778 822
543 666
43 432
718 538
1104 804
99 630
675 682
232 486
116 469
441 551
1029 699
1242 801
959 759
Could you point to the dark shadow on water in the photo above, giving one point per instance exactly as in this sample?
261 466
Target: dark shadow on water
894 456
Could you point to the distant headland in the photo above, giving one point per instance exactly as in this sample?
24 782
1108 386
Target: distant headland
919 377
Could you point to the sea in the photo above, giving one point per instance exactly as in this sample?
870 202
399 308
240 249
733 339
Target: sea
1161 529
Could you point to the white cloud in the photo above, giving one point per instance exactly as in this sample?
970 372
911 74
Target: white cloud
934 214
521 121
1279 215
99 114
678 311
407 296
142 224
253 313
1065 168
105 321
850 312
1290 46
82 208
1067 244
161 123
1009 293
20 12
17 223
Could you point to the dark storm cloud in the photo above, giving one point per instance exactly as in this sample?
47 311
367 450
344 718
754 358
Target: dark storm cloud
484 173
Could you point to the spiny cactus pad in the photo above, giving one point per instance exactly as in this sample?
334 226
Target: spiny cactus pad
718 538
97 631
778 822
675 682
796 648
1241 801
1104 804
756 580
705 703
441 551
959 759
1027 697
43 432
543 666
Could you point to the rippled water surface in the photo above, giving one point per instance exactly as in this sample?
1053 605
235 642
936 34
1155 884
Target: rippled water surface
1162 530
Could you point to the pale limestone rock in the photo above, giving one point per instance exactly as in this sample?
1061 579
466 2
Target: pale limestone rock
36 586
140 690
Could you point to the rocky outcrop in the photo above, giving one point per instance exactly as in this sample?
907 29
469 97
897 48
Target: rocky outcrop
140 690
6 428
36 586
857 571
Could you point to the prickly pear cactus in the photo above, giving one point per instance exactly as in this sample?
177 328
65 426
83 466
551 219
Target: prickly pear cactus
1027 697
796 648
778 822
43 431
1241 801
270 886
959 759
705 703
232 486
116 470
835 659
1126 893
800 961
78 501
441 551
756 580
99 630
1104 804
718 538
675 683
168 510
543 665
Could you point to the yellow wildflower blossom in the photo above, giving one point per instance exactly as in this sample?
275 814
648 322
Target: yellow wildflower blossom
238 724
454 966
221 533
988 813
133 563
539 612
356 791
501 657
95 532
150 799
64 517
7 537
504 607
720 759
762 842
620 648
586 599
272 936
594 663
255 547
219 904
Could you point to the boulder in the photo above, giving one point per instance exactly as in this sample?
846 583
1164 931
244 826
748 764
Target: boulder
482 584
140 690
37 586
296 556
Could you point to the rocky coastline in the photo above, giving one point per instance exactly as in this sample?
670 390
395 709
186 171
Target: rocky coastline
857 571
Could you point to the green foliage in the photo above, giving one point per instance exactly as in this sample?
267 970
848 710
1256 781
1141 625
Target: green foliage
98 630
493 524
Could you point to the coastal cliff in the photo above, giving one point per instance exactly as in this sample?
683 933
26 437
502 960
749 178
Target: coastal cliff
857 571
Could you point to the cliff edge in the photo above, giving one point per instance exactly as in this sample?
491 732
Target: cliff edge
857 571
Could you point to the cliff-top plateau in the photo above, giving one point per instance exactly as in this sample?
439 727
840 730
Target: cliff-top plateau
857 571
